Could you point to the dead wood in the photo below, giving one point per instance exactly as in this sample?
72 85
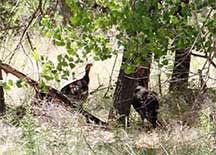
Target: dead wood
54 93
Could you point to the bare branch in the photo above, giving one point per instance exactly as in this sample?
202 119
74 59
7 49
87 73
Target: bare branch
110 78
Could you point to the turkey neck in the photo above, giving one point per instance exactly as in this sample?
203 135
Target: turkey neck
86 76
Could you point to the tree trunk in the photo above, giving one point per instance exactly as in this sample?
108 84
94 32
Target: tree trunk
124 90
2 101
123 94
126 84
181 69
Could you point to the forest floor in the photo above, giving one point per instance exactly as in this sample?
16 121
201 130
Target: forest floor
61 132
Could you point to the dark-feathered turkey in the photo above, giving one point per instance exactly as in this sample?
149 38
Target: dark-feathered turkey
78 90
146 104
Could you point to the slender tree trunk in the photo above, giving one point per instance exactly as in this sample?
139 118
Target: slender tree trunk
2 101
181 69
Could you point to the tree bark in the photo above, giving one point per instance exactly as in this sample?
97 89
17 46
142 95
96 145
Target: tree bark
180 75
123 95
2 100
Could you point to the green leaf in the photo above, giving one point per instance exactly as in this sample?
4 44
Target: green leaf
35 55
165 62
129 69
10 82
19 83
57 35
59 57
159 6
7 87
174 19
214 99
71 51
71 65
59 43
48 34
43 86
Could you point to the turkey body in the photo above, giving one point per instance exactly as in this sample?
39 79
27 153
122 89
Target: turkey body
78 90
146 104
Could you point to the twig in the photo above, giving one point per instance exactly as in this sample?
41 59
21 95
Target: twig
89 146
110 78
32 48
135 78
165 151
33 16
11 28
29 41
27 55
205 57
98 89
159 84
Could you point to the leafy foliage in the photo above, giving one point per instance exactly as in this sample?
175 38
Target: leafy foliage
143 27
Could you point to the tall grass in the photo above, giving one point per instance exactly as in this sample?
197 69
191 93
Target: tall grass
68 133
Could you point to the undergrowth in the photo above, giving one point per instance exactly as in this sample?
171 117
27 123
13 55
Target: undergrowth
70 134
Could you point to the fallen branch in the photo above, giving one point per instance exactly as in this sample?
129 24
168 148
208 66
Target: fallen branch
52 92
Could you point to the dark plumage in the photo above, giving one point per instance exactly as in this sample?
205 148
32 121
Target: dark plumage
146 104
78 90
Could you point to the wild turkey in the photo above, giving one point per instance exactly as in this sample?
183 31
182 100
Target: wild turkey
78 90
146 104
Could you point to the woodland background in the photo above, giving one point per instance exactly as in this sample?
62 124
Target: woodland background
51 41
